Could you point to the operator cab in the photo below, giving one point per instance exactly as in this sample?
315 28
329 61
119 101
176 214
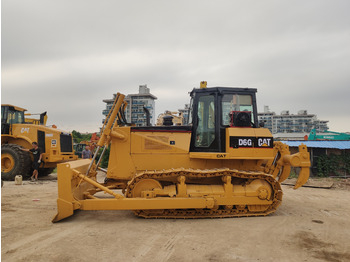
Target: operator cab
214 109
11 115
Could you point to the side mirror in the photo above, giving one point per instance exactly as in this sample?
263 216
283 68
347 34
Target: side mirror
262 124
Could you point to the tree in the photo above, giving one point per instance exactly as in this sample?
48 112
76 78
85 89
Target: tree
333 165
105 158
78 137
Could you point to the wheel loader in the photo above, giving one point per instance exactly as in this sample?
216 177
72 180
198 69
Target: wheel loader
18 131
224 164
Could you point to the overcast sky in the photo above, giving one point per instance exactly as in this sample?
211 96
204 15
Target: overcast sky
66 56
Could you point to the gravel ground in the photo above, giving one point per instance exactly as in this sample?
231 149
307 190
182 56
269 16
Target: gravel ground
312 224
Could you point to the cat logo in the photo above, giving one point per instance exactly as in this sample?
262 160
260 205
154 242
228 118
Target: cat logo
25 130
264 142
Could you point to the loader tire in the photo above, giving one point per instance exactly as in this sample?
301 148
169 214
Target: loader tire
14 162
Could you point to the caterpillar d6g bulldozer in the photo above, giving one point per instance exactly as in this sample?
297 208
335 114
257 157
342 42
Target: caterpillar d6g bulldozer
221 165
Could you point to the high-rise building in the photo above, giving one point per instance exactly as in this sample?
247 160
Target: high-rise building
134 112
289 123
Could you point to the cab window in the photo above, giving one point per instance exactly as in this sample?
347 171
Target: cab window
205 132
235 102
15 117
4 111
190 112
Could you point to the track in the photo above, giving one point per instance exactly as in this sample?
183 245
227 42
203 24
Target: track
199 177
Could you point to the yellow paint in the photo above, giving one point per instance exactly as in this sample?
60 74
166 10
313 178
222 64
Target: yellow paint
7 163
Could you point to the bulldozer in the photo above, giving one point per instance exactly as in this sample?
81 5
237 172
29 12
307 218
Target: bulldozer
18 131
223 164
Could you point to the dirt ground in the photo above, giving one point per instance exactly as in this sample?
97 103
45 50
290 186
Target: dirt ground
312 224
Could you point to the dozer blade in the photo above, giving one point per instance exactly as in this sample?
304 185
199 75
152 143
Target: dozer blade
66 203
64 209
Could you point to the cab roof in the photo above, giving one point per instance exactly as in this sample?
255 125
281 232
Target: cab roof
15 107
220 90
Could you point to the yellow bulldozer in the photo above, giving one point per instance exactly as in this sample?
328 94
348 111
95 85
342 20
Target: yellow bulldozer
221 165
18 131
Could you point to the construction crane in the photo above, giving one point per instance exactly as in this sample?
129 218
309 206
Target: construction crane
328 135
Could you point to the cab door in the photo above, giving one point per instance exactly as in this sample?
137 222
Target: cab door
205 132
